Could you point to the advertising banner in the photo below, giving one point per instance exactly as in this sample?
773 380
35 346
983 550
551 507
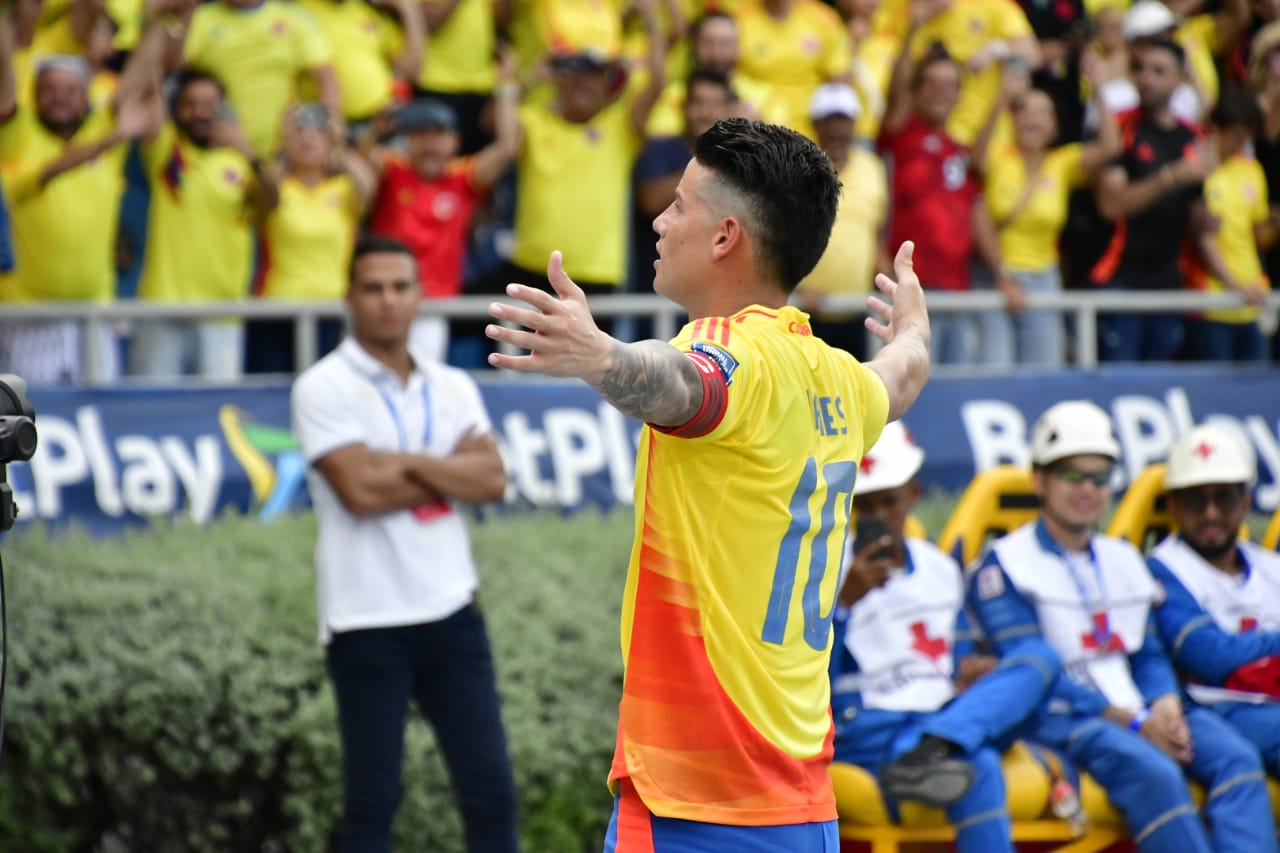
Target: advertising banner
110 458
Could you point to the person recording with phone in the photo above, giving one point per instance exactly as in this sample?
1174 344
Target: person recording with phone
911 701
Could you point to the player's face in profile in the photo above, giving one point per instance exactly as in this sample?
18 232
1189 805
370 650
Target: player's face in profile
383 298
1208 517
685 236
1069 489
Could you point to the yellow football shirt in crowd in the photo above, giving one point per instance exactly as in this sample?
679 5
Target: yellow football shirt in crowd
259 54
1236 194
308 237
849 263
963 29
199 245
872 68
792 57
1029 241
361 43
64 233
1198 36
460 55
574 190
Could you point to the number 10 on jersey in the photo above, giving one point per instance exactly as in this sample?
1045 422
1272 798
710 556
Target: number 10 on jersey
836 482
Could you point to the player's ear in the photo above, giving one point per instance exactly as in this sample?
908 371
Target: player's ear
727 237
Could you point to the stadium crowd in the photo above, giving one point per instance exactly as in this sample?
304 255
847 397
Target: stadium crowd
179 152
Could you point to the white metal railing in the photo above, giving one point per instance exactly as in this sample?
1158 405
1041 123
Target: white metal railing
1084 306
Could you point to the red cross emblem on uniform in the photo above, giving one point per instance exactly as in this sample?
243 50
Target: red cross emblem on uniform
1248 623
931 647
1204 450
1101 638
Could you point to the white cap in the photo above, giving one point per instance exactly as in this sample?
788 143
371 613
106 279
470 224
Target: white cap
834 99
1072 428
892 462
1210 453
1147 18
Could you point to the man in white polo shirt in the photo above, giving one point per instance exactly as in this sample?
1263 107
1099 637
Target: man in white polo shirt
393 442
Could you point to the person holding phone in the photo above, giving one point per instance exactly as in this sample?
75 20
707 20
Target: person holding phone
912 703
1118 712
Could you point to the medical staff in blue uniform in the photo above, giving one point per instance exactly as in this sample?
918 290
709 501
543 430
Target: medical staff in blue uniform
1116 711
1221 616
902 709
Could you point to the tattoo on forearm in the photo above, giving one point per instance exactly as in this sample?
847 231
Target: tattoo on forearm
652 382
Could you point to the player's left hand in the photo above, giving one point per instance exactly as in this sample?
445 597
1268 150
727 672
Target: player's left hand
559 332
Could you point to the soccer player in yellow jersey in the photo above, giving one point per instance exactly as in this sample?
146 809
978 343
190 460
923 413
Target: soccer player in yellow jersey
61 161
754 429
1231 219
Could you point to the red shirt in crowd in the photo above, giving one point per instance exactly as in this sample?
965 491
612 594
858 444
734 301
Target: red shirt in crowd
931 197
433 218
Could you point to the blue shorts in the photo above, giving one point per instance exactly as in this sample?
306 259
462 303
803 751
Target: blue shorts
634 829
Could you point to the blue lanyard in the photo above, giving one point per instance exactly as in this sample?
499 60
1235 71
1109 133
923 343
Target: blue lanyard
1101 635
380 385
401 431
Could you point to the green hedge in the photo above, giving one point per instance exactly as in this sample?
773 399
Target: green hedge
167 692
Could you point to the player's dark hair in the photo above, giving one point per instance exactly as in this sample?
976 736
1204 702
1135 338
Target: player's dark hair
1237 107
787 189
376 244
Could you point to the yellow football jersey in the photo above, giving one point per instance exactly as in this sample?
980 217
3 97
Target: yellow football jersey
1236 193
726 625
259 54
196 191
63 232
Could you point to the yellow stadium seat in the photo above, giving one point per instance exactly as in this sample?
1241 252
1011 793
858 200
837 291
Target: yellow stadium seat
1142 516
864 817
995 501
1271 538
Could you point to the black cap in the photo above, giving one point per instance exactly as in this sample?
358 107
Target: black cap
424 114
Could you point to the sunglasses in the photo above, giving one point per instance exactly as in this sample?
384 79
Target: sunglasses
1076 476
1197 501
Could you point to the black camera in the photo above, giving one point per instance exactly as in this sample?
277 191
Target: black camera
17 438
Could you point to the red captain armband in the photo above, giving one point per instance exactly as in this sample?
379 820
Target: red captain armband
1260 676
715 400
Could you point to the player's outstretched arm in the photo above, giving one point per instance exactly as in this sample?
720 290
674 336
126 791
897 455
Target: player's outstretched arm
651 381
903 363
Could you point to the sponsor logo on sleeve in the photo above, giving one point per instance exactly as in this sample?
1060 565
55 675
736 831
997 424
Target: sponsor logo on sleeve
726 363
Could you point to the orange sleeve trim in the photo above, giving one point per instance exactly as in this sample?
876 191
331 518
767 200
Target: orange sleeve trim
715 401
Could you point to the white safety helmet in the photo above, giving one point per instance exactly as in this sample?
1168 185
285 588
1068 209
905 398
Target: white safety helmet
1072 428
891 462
1210 453
1147 18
